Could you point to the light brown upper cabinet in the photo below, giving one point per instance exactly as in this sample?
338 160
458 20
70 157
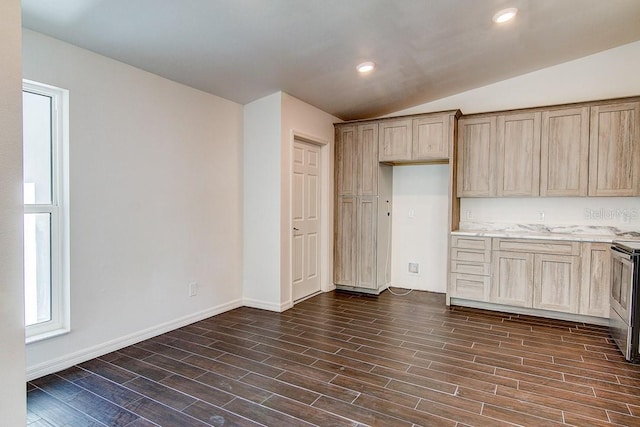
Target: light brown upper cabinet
425 138
367 175
564 152
614 156
357 160
395 140
590 149
518 171
431 138
346 161
476 156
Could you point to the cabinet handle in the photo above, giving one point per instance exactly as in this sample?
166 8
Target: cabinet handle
295 229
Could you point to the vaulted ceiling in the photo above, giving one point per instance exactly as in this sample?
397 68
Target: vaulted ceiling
424 50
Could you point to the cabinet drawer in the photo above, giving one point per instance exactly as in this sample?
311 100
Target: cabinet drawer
468 242
471 287
468 267
537 246
461 254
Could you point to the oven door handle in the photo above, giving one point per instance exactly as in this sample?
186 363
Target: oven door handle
620 253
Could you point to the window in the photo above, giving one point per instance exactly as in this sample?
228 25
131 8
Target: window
46 254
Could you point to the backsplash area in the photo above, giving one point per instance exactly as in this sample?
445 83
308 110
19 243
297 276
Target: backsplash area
621 213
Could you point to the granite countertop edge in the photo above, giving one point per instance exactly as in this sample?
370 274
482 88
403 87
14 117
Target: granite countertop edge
576 237
598 238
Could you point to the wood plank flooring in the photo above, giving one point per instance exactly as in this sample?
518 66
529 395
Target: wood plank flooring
348 360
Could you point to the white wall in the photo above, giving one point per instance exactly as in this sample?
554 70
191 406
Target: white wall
262 169
609 74
619 212
155 179
270 124
12 356
421 190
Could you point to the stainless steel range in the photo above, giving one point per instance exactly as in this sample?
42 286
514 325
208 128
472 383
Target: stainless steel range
624 315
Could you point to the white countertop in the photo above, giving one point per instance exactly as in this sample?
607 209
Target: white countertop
577 233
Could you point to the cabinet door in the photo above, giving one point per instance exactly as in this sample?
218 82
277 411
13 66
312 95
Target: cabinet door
476 157
614 156
556 282
367 178
366 242
395 140
346 161
518 155
345 241
596 279
431 138
564 152
512 282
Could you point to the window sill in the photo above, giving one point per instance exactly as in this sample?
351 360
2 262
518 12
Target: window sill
46 335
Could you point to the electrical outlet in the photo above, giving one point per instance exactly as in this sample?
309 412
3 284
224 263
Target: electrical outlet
412 213
414 267
541 215
468 215
193 289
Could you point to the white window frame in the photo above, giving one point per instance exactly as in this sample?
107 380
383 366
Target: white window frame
59 210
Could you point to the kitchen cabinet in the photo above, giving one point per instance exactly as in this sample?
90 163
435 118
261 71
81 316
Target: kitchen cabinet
476 157
419 139
535 274
395 140
588 149
512 282
596 279
614 156
542 274
518 154
432 136
356 160
345 241
564 152
346 162
499 155
367 163
363 199
542 281
366 234
556 281
470 268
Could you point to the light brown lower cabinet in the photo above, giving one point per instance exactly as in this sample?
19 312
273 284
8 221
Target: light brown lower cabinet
470 286
596 278
470 266
561 276
345 240
512 282
556 282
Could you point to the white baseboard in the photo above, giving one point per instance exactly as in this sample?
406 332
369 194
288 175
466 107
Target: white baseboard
69 360
265 305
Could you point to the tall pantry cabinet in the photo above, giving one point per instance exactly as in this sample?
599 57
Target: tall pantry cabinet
363 207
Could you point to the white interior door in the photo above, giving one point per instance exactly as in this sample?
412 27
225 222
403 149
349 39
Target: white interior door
306 220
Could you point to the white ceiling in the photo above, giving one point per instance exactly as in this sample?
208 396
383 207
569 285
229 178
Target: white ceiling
243 50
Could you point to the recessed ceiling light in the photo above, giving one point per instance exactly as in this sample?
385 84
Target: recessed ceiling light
366 67
505 15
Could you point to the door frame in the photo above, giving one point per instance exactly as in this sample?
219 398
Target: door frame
326 212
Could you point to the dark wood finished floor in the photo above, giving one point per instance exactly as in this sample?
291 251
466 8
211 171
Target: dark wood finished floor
345 360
